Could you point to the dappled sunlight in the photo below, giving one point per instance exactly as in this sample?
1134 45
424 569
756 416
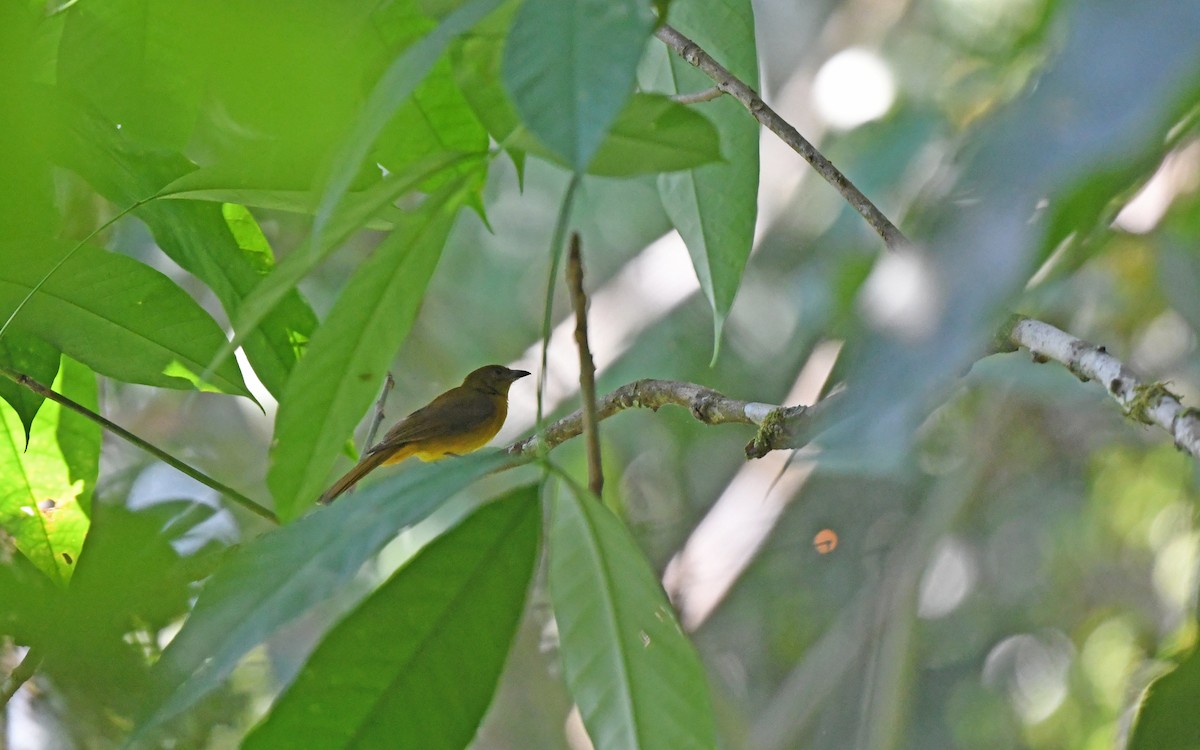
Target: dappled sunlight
901 296
1032 670
1179 173
1108 657
853 87
948 580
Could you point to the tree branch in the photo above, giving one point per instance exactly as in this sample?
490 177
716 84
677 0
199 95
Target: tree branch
587 367
786 426
1148 403
770 119
124 434
19 676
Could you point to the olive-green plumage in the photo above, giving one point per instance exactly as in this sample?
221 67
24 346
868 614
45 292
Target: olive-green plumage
459 421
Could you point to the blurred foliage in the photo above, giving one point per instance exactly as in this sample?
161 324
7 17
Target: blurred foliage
1016 561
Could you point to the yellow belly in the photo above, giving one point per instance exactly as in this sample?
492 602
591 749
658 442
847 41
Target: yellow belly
458 445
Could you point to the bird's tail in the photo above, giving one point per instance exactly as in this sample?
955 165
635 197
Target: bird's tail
360 470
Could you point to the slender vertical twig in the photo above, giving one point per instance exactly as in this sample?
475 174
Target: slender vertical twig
388 384
587 367
770 119
33 385
377 419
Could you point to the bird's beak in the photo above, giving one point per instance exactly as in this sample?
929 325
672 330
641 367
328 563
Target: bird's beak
517 374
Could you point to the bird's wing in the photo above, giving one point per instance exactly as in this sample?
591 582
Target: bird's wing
453 413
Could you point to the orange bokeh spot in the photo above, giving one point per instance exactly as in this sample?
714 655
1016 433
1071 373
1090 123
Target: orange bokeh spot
825 541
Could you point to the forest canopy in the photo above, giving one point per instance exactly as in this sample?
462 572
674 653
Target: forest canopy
864 349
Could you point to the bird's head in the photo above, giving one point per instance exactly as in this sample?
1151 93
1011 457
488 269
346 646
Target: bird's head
493 379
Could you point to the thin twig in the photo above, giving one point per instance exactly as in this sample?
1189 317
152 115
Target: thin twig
698 97
388 384
587 367
121 432
20 675
1148 403
735 87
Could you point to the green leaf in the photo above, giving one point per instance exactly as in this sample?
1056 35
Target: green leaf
435 120
269 86
654 134
216 185
116 315
27 354
630 668
274 579
415 665
392 90
197 236
46 489
715 206
27 181
130 60
1167 715
339 376
130 574
651 134
352 214
570 66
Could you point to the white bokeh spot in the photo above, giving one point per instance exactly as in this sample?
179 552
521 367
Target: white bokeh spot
853 87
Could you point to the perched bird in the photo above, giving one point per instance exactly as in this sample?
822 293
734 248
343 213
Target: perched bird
459 421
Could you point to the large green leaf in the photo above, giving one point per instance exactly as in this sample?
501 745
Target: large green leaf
635 676
654 134
435 120
46 488
415 665
1167 716
25 353
335 382
569 67
276 578
394 88
715 206
219 186
116 315
231 259
331 220
130 59
357 211
27 185
270 86
651 134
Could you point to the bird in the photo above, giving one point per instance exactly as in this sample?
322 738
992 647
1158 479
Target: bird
461 420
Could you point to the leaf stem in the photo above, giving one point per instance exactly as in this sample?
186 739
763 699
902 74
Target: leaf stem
54 269
33 385
556 243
